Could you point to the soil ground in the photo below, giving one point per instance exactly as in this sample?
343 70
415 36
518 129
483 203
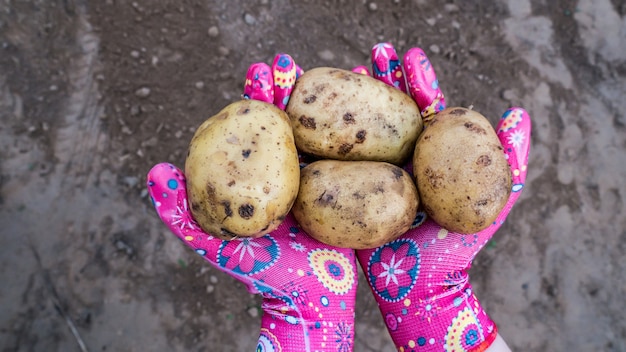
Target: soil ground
93 93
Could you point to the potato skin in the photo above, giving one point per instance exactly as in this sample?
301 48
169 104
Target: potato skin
355 204
342 115
461 173
242 170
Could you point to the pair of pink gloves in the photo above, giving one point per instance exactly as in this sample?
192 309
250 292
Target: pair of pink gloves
419 280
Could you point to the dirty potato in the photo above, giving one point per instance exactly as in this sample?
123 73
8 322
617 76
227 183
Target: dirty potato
242 170
339 114
355 204
461 173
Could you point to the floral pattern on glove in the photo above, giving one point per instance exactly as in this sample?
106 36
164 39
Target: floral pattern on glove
464 333
247 256
332 269
393 269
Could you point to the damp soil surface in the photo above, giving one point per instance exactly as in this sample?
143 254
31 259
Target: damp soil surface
94 93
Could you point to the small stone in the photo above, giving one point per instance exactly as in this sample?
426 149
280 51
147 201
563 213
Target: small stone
253 312
224 51
451 8
431 21
434 49
455 24
135 54
131 181
213 279
214 31
249 19
508 94
126 130
199 84
150 142
178 134
142 92
326 55
53 88
210 288
373 6
122 245
135 110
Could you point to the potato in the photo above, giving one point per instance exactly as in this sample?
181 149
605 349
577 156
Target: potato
355 204
338 114
242 170
461 173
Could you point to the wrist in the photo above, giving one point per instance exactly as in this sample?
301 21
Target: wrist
498 345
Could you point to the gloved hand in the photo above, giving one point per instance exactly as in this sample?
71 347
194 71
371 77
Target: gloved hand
308 288
420 280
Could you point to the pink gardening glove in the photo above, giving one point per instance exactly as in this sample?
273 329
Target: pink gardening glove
308 288
420 280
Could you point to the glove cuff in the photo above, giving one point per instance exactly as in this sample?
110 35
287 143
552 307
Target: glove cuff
451 320
291 327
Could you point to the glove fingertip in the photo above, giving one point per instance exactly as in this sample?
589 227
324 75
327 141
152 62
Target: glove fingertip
361 70
164 180
259 83
299 71
422 82
514 132
168 191
285 72
386 66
